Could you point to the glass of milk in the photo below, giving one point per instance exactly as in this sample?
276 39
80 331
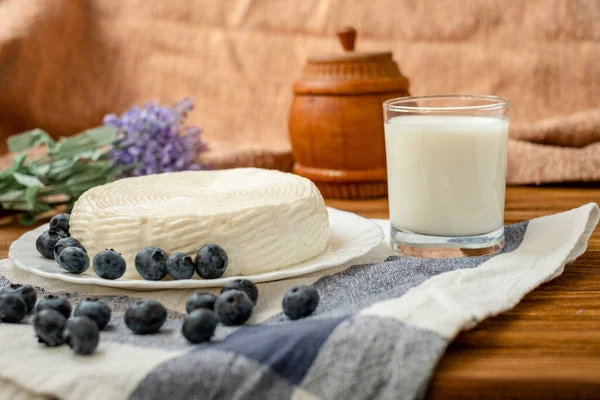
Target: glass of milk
446 167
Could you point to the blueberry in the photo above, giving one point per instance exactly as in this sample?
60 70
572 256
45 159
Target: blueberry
27 292
55 303
245 286
199 326
95 310
60 221
180 266
300 301
151 263
200 300
233 307
64 243
74 260
145 317
12 308
49 326
82 335
109 264
46 241
211 261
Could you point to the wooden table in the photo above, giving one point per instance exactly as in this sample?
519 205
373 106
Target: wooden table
546 347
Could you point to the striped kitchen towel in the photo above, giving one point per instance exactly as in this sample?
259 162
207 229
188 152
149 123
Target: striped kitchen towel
378 332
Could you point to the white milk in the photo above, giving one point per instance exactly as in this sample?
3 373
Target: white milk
446 174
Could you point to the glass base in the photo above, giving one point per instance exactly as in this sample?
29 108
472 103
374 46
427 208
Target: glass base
416 245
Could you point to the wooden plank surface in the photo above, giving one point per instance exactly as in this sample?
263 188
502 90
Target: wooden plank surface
546 347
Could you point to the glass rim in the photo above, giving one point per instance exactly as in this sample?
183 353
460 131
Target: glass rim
495 103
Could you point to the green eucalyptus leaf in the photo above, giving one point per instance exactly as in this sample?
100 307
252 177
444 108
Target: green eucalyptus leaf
90 175
24 206
41 207
9 184
29 139
102 135
31 194
17 164
16 205
58 188
87 141
12 195
18 161
27 219
27 180
77 189
89 155
7 173
39 169
30 216
77 172
63 175
97 168
60 169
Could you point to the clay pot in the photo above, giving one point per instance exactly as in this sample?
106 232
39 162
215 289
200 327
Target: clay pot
336 120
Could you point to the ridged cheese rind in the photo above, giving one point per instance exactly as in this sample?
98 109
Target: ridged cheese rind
265 220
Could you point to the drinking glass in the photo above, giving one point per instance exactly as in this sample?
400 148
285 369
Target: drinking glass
446 171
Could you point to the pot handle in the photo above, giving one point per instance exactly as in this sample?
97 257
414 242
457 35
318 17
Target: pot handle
347 37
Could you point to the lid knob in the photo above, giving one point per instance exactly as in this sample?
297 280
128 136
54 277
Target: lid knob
347 37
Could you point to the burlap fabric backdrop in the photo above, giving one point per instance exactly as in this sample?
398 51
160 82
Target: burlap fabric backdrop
65 63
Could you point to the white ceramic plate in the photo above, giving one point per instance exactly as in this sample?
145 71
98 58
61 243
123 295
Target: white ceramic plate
351 236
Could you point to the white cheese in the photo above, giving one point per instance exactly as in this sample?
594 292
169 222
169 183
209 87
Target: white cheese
265 220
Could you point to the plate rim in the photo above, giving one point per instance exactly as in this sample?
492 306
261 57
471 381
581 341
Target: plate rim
143 285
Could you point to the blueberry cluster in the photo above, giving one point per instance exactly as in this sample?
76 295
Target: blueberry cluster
56 243
205 310
234 306
151 263
55 324
52 319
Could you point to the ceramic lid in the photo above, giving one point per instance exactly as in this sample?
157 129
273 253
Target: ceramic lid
351 72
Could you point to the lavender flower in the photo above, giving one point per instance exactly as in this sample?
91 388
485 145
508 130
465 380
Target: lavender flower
155 139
